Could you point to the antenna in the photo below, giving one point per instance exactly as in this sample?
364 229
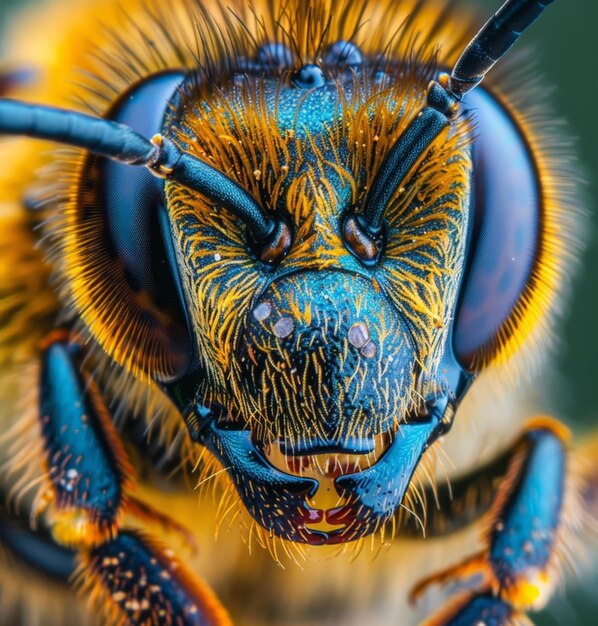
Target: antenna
495 38
160 155
485 49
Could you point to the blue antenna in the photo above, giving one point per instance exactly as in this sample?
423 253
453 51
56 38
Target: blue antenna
162 157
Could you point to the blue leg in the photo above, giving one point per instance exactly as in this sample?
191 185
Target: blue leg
516 569
86 466
136 581
88 479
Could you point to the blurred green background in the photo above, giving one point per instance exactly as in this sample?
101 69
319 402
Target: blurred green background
565 44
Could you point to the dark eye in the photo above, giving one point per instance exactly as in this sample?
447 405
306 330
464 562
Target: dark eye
130 290
506 211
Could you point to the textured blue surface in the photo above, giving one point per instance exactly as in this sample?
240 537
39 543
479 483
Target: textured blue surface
483 610
524 540
276 500
124 563
82 466
352 408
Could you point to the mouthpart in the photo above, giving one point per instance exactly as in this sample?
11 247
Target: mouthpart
322 492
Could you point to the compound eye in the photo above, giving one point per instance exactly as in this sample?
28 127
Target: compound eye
498 283
120 254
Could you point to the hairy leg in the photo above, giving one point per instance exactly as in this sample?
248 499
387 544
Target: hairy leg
86 488
524 543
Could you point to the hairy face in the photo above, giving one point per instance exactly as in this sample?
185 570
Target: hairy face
333 362
321 361
319 372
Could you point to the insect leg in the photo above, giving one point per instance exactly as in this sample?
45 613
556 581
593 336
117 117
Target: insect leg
87 469
35 573
515 571
88 478
135 581
36 548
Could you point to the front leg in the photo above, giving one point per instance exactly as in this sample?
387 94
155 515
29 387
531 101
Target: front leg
516 569
86 491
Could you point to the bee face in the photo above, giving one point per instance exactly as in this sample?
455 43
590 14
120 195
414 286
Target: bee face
304 292
322 352
292 236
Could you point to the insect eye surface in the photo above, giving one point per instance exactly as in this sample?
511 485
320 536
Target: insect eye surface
507 213
310 77
124 190
119 240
